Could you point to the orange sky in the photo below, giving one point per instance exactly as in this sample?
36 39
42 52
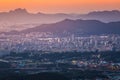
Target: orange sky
56 6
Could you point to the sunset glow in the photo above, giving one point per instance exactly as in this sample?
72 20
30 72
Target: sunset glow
55 6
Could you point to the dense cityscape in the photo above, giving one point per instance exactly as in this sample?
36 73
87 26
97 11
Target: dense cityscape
44 52
49 42
59 39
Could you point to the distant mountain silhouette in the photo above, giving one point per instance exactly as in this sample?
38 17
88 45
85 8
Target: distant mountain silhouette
87 27
22 16
18 11
104 16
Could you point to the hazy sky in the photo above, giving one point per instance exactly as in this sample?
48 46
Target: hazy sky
56 6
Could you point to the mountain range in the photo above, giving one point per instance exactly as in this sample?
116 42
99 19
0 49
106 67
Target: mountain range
104 16
22 16
77 27
21 20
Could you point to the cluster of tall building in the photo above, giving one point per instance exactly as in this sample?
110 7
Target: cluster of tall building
48 42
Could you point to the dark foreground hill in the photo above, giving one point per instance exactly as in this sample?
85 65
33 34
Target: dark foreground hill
40 76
